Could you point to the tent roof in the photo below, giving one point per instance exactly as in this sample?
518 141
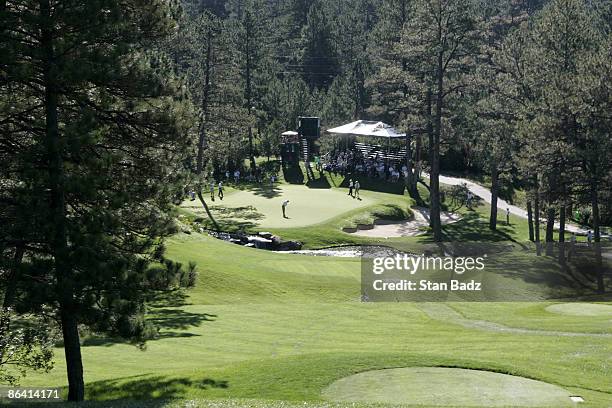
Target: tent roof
290 133
367 128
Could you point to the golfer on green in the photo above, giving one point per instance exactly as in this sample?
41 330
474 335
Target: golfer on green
285 203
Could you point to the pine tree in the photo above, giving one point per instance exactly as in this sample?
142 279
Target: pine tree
319 59
442 38
97 140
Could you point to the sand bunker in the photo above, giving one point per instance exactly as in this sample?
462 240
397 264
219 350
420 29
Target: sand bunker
407 228
438 386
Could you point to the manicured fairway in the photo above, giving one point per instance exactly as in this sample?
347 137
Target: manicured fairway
268 326
261 207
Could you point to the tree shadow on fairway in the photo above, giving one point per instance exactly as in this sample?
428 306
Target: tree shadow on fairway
232 219
173 298
546 276
179 319
150 388
170 323
244 212
266 191
471 228
320 182
374 184
293 174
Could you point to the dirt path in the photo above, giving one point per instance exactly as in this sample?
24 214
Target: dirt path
445 313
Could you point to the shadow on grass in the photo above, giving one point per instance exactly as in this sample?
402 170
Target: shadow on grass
150 388
173 298
472 228
179 319
267 191
293 174
247 212
373 184
321 182
572 280
170 322
233 219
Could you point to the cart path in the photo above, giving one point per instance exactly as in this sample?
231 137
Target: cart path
445 313
485 194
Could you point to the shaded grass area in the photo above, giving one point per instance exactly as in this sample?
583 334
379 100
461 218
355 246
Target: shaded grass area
533 315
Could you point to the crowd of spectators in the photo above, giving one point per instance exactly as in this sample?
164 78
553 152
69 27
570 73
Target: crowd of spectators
353 162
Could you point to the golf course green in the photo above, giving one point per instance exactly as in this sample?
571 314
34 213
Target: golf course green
265 329
262 206
421 386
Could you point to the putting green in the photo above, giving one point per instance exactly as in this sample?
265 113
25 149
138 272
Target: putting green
438 386
581 309
261 207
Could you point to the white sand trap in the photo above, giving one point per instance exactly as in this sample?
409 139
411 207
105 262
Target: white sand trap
581 309
408 228
439 387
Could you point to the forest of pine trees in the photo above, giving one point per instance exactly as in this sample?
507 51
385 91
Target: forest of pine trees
109 108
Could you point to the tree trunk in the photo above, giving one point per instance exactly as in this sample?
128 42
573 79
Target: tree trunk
72 350
530 220
12 278
202 139
249 95
494 193
206 208
597 236
430 135
562 216
14 272
58 236
562 234
550 229
435 156
536 210
411 176
550 224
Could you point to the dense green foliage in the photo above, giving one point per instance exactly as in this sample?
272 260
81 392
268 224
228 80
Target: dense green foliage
518 90
93 136
110 110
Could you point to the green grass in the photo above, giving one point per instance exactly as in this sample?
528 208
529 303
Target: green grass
461 387
283 327
264 329
260 207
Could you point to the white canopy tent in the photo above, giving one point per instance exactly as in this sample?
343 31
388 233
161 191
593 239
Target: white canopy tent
367 128
370 129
